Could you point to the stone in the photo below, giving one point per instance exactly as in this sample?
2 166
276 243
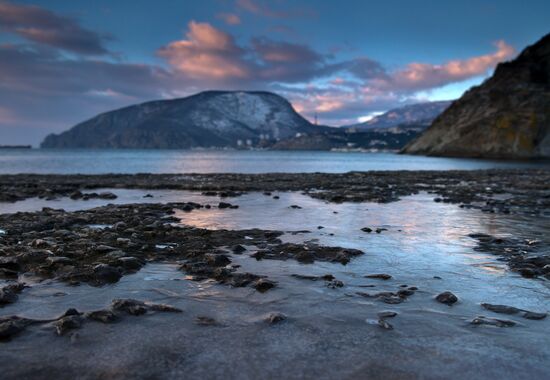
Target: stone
263 285
481 320
129 306
238 249
65 324
103 316
447 298
386 314
104 273
379 276
274 318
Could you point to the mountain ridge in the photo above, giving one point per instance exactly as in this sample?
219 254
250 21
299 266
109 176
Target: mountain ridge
206 119
417 114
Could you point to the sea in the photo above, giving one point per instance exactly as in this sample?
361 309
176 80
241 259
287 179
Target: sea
100 161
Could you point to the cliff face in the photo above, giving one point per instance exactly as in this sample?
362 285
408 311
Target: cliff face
208 119
508 116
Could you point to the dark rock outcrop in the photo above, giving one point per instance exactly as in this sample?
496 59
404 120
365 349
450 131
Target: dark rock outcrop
508 116
207 119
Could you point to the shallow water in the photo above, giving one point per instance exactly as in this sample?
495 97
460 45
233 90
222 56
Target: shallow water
90 161
329 332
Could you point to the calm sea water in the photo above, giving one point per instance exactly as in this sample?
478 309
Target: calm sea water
211 161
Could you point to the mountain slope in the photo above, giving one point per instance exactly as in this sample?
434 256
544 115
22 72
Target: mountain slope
420 114
207 119
508 116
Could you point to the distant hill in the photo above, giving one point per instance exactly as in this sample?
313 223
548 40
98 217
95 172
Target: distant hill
419 115
207 119
508 116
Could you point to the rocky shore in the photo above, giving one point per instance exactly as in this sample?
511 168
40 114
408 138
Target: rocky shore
102 248
506 191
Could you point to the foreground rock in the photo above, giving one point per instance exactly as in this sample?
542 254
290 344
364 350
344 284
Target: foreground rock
66 246
505 117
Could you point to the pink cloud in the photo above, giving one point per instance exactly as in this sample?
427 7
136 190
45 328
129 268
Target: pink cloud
229 18
206 53
416 76
212 55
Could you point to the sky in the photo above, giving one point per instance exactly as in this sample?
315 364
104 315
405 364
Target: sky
63 62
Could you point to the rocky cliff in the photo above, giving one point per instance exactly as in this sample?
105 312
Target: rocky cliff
508 116
207 119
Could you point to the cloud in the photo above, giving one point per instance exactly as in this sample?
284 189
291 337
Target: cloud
41 87
260 8
213 56
207 53
45 27
229 18
420 76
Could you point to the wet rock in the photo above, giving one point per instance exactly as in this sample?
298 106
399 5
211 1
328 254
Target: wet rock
164 308
295 207
333 284
129 306
104 273
366 229
59 260
206 321
223 205
533 315
238 249
386 297
103 316
386 314
67 323
217 260
8 273
503 309
326 277
447 298
102 248
107 195
11 326
274 318
263 285
384 324
120 226
9 293
130 263
405 292
481 320
380 276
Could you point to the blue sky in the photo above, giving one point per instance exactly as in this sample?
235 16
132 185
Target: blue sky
64 61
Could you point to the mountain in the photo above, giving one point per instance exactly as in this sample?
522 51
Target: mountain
419 115
507 116
207 119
